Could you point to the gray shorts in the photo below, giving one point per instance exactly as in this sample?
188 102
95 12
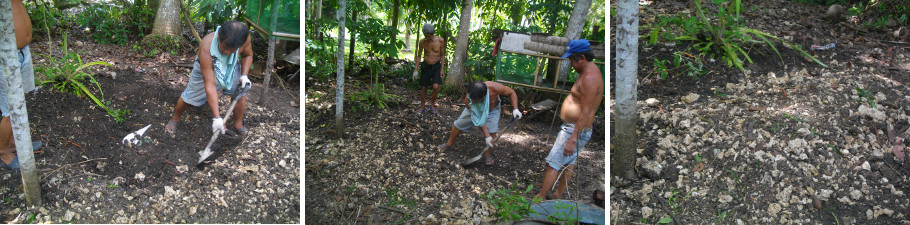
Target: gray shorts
556 159
194 94
28 78
464 122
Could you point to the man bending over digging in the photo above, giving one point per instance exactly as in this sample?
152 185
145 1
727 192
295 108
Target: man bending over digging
222 55
22 24
577 114
481 111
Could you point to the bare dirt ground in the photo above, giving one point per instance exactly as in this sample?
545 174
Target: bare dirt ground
785 141
387 169
88 176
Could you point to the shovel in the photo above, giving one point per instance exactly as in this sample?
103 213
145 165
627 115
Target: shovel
501 133
208 148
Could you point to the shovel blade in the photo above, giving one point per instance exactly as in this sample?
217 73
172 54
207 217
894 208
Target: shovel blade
204 154
472 160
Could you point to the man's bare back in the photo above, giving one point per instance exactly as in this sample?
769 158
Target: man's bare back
22 24
588 90
432 49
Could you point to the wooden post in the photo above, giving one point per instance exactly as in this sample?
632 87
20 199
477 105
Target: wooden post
12 78
339 62
270 63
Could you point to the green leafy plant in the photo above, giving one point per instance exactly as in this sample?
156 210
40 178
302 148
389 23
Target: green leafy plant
112 186
66 74
510 203
722 35
152 45
665 220
217 11
721 216
864 95
395 200
698 158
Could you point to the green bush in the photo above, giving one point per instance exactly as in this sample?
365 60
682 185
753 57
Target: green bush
152 45
41 17
320 57
115 24
510 203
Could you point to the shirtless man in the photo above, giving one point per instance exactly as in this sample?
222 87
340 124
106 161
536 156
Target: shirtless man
483 112
22 24
223 54
577 114
433 62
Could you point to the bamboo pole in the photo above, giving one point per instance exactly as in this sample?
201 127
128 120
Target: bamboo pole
270 63
18 112
186 18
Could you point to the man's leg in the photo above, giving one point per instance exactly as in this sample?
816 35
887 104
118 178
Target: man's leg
564 182
181 107
548 179
423 97
452 134
7 145
238 113
433 98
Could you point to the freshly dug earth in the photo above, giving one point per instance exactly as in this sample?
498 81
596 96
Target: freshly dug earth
88 176
782 142
387 169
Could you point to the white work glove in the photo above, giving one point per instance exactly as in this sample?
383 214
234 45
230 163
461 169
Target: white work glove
516 113
245 82
489 141
218 125
414 77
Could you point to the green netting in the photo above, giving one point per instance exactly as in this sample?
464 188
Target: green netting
519 68
260 12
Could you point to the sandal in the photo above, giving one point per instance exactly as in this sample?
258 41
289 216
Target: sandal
432 110
240 131
443 147
422 110
171 127
14 165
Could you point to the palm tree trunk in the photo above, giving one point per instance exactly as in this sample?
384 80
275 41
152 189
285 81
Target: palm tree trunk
626 87
573 30
167 20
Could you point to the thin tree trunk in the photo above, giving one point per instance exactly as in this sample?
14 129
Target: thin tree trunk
573 30
407 36
353 37
339 62
318 9
270 62
186 18
456 69
12 79
626 87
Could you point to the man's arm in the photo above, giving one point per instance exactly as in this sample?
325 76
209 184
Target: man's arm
417 56
513 97
208 77
246 57
442 55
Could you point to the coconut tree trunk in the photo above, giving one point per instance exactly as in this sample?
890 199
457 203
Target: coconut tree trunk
456 69
167 20
318 13
407 36
12 79
573 30
626 87
353 37
339 62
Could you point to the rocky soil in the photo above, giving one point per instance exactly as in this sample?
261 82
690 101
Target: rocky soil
779 143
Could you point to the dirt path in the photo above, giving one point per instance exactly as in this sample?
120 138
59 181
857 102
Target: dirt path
387 168
782 142
88 176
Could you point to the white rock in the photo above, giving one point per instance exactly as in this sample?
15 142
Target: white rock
139 176
68 216
646 212
866 166
169 191
874 113
725 198
856 194
652 102
691 97
773 209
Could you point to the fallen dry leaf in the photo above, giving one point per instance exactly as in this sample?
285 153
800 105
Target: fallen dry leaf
699 167
756 108
898 149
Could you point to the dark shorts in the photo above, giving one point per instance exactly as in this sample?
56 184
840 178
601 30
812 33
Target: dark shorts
429 74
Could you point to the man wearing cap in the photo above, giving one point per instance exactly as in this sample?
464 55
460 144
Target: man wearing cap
577 114
431 68
482 108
